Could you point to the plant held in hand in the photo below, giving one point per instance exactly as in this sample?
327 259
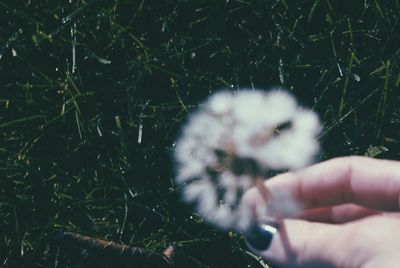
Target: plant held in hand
231 143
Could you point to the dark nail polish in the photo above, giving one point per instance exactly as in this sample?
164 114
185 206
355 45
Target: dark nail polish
260 235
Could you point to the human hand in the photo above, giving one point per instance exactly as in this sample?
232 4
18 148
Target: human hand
349 219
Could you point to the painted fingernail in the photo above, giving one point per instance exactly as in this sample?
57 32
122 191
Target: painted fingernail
260 235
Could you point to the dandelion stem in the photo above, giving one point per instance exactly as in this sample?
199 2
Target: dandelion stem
264 191
277 216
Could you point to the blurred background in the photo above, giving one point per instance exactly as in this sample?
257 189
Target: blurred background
93 94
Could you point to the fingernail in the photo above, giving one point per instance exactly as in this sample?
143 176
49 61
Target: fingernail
260 235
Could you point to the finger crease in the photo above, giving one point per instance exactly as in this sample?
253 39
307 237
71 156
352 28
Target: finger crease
347 187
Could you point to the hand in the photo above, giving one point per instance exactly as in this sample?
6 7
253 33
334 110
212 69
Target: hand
349 217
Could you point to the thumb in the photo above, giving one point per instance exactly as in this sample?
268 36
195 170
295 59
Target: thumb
299 243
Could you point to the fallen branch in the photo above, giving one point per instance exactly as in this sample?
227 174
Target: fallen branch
102 253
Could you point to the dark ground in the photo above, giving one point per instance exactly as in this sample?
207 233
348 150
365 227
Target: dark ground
69 152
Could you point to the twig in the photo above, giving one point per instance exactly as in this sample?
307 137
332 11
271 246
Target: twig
110 254
267 196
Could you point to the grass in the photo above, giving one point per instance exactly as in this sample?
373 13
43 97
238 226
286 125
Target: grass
93 93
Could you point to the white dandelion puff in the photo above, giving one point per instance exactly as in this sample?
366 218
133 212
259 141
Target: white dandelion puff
235 139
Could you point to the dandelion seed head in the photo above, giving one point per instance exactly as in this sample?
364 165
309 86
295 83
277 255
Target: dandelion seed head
234 139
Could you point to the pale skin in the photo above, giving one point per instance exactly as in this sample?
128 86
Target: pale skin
350 215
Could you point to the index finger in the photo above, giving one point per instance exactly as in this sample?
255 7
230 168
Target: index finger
363 181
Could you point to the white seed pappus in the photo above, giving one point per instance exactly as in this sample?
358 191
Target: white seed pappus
234 138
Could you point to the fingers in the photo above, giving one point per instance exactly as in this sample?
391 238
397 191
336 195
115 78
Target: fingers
360 243
364 181
339 191
303 244
333 214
